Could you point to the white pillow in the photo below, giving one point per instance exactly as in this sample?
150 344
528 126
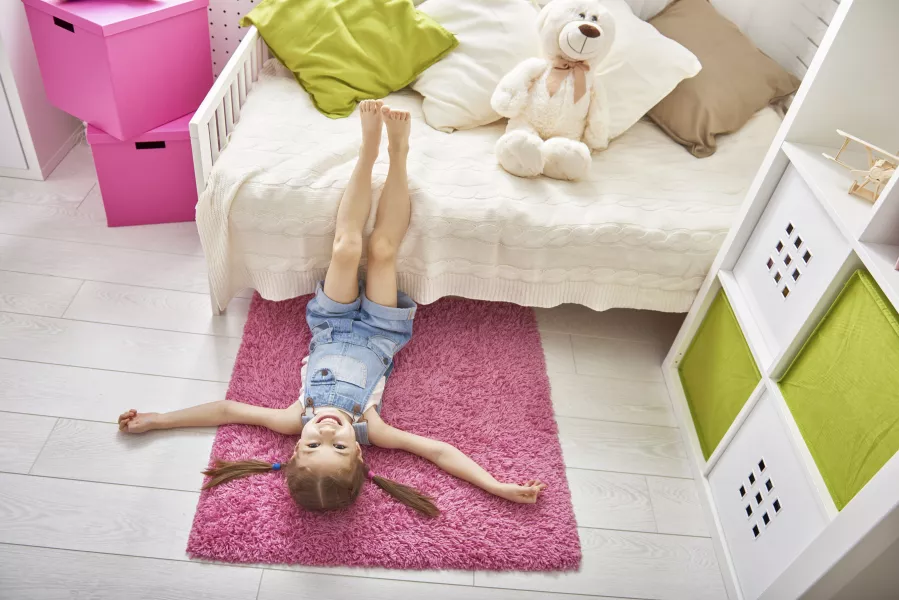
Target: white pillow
644 9
494 36
641 69
647 9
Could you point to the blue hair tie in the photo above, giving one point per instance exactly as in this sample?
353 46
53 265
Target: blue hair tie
276 466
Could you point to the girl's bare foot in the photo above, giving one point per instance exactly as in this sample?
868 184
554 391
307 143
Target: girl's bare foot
398 123
135 422
370 116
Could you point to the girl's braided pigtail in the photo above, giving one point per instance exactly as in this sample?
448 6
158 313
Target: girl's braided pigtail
405 494
226 470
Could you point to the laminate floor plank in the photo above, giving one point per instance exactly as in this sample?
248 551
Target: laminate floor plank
452 577
621 359
67 185
95 262
50 574
21 440
622 447
36 294
624 563
169 310
129 349
676 505
283 585
96 394
609 399
558 352
87 224
611 500
616 323
90 451
95 517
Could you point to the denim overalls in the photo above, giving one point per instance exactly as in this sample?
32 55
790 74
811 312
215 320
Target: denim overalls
352 347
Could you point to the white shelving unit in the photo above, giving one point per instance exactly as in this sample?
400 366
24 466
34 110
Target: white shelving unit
829 182
802 235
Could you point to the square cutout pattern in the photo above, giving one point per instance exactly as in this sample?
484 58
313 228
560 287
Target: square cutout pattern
758 499
779 264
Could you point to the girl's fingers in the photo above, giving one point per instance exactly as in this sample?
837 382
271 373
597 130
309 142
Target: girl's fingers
126 418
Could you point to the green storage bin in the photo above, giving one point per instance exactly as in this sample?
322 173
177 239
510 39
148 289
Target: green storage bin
843 388
718 373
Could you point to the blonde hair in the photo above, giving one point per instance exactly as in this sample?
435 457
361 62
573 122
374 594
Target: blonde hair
319 492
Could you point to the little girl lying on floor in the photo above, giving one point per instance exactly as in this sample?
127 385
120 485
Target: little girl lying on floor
355 335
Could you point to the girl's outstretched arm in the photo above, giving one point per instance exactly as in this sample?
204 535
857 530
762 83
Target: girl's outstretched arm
450 459
281 420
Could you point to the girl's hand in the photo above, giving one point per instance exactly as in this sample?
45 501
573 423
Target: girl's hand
522 494
135 422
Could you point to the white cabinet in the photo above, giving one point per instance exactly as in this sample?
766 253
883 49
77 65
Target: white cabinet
11 154
799 238
791 257
34 136
767 507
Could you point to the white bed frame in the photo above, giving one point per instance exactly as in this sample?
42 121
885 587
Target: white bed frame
214 121
787 30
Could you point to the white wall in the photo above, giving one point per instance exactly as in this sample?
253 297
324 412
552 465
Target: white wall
862 58
49 128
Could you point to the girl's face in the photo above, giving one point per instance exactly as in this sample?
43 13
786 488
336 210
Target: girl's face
328 442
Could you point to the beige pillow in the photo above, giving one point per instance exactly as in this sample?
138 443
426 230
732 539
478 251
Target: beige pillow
736 80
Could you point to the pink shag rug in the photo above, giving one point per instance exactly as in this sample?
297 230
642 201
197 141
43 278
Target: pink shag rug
474 376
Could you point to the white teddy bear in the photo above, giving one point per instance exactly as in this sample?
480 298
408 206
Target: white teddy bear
553 103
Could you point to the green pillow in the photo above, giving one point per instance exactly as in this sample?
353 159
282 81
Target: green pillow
344 51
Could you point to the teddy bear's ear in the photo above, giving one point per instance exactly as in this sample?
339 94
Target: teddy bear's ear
607 24
544 13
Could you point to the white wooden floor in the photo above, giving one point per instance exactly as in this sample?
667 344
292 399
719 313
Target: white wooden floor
95 320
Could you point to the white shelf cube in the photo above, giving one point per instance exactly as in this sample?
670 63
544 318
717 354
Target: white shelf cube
789 261
765 502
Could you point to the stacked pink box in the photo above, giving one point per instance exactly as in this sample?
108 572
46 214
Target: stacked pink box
135 71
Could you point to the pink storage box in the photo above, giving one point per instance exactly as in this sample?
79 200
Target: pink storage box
126 66
148 179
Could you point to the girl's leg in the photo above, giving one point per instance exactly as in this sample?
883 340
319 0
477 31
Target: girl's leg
394 210
342 279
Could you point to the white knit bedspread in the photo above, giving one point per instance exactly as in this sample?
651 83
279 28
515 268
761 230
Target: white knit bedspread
641 231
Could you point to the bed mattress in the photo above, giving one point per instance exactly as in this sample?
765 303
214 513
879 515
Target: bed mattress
640 231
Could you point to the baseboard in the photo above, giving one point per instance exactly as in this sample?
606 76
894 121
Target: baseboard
33 173
60 154
39 173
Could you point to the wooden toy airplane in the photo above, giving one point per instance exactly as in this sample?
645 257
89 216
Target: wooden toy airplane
875 177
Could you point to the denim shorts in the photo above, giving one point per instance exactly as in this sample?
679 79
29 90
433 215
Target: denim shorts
362 322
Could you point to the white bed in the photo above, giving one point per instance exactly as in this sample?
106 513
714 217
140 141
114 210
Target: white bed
640 232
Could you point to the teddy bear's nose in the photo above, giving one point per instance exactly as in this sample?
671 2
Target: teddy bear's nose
589 30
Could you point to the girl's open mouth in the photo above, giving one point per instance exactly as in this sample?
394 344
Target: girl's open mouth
323 418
